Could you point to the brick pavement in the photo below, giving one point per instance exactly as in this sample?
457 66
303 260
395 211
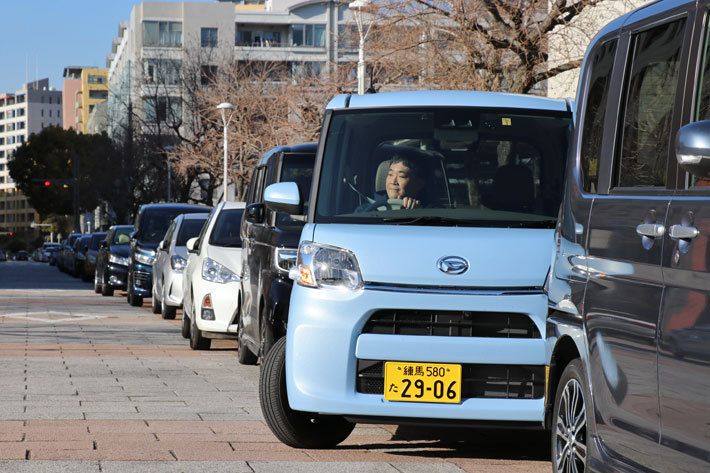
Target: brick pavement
92 384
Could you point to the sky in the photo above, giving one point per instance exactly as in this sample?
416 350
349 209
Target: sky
39 38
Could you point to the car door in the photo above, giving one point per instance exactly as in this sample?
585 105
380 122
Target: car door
250 270
162 258
684 327
625 244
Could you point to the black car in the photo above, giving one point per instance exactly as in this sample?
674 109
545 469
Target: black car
629 291
151 224
65 256
112 260
270 246
81 247
88 270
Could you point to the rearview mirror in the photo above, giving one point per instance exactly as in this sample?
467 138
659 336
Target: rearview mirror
192 245
692 148
284 197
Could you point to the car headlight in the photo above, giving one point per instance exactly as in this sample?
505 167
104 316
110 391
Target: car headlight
216 272
326 266
177 262
283 260
145 257
118 260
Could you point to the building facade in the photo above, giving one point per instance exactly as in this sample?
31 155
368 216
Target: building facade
93 90
156 45
70 86
29 110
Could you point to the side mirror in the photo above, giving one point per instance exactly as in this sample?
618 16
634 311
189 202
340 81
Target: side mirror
284 197
254 213
192 245
161 245
133 235
692 148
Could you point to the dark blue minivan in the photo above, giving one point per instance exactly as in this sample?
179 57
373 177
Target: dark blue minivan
150 226
629 294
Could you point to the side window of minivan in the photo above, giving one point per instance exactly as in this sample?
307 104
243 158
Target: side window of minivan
593 127
702 107
649 99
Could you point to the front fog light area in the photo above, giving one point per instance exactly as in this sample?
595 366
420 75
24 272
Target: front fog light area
326 266
207 312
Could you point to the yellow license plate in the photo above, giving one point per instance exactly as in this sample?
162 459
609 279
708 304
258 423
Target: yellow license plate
422 382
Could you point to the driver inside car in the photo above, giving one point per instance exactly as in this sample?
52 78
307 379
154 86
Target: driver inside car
405 182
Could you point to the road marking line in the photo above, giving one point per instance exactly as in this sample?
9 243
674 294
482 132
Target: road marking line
47 316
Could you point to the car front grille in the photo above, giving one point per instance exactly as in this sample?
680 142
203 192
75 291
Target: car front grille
477 380
142 278
452 324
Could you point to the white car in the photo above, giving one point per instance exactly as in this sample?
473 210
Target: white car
170 261
211 282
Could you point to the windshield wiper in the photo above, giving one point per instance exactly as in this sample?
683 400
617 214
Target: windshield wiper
551 223
428 220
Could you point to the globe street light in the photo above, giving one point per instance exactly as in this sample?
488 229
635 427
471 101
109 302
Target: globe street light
357 6
223 107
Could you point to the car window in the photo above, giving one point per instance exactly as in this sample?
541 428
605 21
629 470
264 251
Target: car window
648 106
464 165
296 168
190 228
96 241
122 236
593 127
171 230
226 229
156 222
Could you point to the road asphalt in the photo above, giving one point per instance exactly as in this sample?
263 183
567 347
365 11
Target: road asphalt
91 384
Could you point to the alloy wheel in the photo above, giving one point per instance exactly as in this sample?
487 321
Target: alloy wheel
571 429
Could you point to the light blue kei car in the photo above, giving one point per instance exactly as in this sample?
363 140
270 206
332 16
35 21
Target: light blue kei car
419 292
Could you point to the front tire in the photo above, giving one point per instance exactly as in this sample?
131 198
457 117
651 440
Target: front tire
296 429
97 284
570 414
106 289
185 324
197 341
155 304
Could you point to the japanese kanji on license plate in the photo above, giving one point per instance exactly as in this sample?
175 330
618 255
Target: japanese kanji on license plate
422 382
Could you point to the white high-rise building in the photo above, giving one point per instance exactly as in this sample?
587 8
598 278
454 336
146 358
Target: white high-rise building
27 111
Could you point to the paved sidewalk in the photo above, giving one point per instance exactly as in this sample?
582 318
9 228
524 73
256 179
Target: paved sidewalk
90 384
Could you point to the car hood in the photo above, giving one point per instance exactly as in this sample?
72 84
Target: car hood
229 257
408 255
120 250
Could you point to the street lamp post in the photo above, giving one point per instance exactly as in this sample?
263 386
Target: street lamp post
223 107
357 6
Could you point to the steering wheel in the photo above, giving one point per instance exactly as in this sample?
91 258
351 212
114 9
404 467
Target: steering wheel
390 204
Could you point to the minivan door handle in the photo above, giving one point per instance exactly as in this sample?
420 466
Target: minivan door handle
682 232
651 230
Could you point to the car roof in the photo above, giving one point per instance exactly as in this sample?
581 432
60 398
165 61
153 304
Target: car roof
172 206
449 98
306 148
232 205
194 216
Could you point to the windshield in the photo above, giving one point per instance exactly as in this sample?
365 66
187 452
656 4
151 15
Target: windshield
444 166
190 228
226 229
296 168
156 222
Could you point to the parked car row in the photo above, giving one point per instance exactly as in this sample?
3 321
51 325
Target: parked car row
477 259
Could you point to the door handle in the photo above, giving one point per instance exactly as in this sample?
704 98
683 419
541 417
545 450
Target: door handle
651 230
682 232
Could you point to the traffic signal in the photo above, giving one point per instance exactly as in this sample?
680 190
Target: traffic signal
47 183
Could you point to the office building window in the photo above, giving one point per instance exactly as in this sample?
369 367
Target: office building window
162 33
93 79
98 94
167 109
208 37
208 74
162 71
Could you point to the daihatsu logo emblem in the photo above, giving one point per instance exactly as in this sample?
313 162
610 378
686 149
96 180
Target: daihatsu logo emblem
452 265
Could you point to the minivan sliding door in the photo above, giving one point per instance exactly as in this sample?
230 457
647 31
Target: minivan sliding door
684 327
625 246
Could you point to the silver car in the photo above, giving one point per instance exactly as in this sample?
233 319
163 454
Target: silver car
170 261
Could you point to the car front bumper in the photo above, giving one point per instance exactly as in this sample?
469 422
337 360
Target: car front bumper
225 304
116 275
172 287
142 280
325 344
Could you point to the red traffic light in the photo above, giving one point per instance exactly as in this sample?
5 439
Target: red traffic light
47 183
11 233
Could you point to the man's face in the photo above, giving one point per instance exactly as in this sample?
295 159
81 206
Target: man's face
402 182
